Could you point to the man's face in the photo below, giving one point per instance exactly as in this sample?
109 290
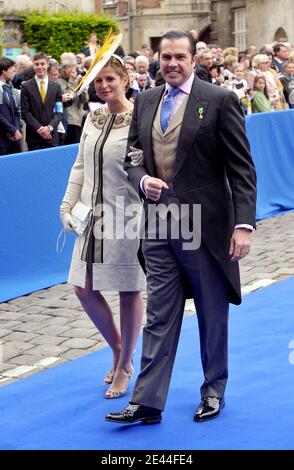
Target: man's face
141 67
283 53
214 53
142 80
176 61
206 61
54 74
41 67
200 46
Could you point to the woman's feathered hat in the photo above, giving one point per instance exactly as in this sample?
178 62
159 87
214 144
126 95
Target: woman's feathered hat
103 55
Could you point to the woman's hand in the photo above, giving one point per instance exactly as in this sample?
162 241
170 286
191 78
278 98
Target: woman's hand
68 222
136 156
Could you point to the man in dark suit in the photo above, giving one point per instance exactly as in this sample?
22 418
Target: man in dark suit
195 152
281 55
10 128
41 106
204 64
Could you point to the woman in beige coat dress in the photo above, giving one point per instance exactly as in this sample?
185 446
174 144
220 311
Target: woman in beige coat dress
100 262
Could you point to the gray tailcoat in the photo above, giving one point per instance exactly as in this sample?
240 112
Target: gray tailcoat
213 167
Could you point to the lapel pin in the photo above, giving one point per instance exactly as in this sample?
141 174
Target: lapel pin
200 111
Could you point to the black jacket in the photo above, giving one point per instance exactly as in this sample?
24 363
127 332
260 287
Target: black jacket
37 114
202 73
213 166
9 119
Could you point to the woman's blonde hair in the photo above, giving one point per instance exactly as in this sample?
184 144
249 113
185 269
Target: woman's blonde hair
230 60
259 59
230 51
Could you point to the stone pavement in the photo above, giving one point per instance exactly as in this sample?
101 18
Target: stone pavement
49 327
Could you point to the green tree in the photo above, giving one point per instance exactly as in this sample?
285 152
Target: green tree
55 33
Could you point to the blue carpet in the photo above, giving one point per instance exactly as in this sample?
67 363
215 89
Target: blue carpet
64 408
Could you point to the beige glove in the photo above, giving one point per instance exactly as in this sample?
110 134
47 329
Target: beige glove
136 156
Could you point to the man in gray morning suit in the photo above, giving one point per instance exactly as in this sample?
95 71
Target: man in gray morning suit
195 152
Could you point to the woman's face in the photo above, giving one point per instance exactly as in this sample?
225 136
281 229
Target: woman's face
260 85
131 73
263 66
109 85
290 69
245 61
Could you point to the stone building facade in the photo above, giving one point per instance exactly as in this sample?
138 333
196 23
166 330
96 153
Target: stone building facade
146 20
226 22
244 22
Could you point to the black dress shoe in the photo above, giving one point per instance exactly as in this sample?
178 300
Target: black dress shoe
209 408
133 413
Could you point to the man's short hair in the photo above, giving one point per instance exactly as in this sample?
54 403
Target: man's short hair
278 47
68 59
22 60
204 53
53 66
141 58
177 34
5 64
40 56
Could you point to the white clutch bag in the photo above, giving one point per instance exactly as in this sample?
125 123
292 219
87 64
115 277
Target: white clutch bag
81 215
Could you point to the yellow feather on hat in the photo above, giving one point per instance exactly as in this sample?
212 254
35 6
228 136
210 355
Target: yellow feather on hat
103 55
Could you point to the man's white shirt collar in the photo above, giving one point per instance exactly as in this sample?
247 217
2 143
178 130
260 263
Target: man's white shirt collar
45 80
186 87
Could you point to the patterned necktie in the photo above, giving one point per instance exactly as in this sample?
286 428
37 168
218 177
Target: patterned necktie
42 91
167 107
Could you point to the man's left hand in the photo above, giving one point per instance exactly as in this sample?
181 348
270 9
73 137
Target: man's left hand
240 243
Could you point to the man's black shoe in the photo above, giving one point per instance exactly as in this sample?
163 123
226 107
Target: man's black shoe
209 408
133 413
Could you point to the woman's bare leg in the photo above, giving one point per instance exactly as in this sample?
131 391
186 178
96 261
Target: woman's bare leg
101 315
131 316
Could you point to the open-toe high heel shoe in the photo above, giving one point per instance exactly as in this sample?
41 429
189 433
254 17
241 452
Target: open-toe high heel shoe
108 379
119 392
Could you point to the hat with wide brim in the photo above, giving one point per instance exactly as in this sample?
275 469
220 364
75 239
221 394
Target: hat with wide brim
101 58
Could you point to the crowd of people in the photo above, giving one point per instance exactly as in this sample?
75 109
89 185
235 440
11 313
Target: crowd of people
39 108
